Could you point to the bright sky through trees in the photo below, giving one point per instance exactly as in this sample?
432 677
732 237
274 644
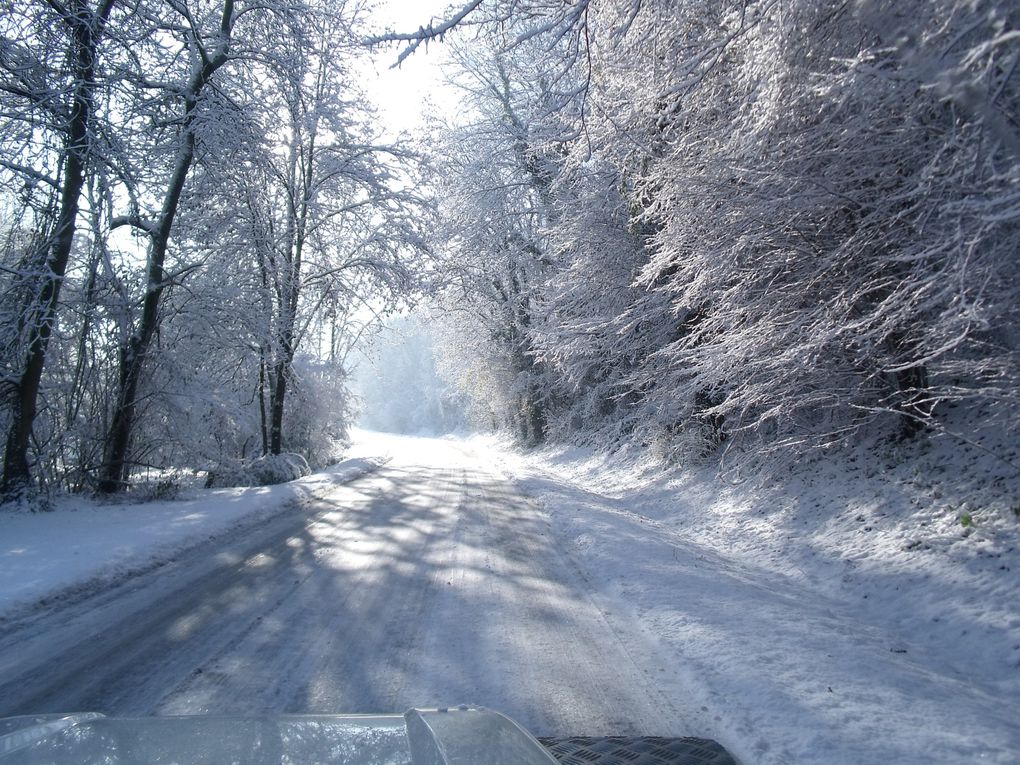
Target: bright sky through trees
405 95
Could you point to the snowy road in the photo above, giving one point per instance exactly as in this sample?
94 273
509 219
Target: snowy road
431 581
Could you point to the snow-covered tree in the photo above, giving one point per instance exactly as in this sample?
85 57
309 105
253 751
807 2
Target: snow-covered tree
49 68
497 171
775 225
327 214
200 37
815 196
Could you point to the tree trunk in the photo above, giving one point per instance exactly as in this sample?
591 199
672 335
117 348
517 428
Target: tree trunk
262 405
116 468
912 384
279 393
536 418
911 387
86 30
530 418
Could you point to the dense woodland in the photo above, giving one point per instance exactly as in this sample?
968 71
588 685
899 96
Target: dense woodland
731 230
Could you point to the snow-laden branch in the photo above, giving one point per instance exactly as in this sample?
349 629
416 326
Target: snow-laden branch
425 34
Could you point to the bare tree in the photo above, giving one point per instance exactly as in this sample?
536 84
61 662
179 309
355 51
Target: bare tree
206 41
54 97
330 216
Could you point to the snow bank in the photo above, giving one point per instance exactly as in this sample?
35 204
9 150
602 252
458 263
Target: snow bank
860 611
82 545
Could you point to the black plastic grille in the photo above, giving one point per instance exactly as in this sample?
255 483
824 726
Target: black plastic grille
636 750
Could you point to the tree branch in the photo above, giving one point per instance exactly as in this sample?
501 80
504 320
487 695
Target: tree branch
424 34
135 221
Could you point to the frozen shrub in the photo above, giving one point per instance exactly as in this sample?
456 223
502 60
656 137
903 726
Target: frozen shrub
264 471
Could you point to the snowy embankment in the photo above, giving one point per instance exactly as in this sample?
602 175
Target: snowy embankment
82 545
861 611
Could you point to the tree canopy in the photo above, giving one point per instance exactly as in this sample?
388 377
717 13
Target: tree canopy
725 229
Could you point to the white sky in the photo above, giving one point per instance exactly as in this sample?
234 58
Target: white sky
405 95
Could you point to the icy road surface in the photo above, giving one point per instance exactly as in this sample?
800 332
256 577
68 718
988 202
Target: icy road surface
577 602
431 581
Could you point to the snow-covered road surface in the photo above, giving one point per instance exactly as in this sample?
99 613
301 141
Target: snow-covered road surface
460 571
431 581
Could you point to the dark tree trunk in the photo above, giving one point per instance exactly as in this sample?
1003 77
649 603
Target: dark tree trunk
912 392
86 30
279 394
262 406
116 467
530 419
915 409
536 417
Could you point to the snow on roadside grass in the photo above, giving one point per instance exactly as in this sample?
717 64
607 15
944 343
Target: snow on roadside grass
82 544
853 612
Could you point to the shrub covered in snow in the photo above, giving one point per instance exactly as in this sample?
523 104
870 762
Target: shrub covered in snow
264 471
318 410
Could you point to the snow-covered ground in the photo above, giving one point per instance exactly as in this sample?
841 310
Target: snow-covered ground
855 612
80 545
860 613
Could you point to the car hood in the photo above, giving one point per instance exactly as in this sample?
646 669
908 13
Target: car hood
460 736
